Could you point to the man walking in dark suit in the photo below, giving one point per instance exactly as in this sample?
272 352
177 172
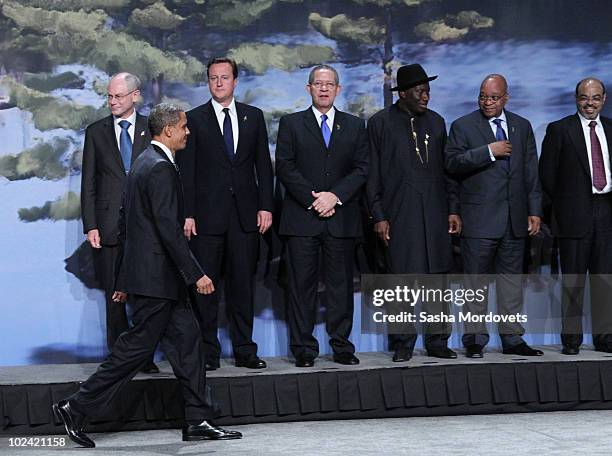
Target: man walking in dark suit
492 153
575 174
322 161
227 175
156 267
413 203
111 146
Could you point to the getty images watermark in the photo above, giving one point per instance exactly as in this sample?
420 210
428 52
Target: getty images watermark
512 303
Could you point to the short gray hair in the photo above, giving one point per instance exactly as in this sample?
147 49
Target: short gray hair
162 115
323 67
131 80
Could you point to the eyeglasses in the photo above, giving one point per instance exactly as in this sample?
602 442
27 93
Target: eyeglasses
583 99
110 97
321 85
493 98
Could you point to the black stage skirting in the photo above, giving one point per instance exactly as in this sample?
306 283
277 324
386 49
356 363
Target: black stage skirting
377 388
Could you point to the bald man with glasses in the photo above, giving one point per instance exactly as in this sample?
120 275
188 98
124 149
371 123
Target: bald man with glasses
111 146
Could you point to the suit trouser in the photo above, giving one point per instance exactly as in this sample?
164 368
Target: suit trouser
592 253
504 258
116 316
232 256
303 260
155 320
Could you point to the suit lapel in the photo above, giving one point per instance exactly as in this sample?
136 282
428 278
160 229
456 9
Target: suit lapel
243 123
336 127
212 126
109 133
513 135
140 134
485 128
607 126
577 136
311 124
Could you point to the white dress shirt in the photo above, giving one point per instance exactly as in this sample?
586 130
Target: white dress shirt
233 117
331 114
504 125
601 134
167 151
131 129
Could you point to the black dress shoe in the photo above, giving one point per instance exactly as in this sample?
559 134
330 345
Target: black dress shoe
150 368
304 361
73 423
570 350
208 431
522 349
346 358
603 349
442 352
254 362
212 365
474 351
402 355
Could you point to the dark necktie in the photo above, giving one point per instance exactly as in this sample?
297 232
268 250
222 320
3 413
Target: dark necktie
228 134
500 135
599 170
125 144
325 129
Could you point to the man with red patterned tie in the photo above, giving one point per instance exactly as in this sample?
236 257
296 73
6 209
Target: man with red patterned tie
575 175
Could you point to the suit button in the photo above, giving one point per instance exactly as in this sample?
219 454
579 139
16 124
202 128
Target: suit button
231 189
328 173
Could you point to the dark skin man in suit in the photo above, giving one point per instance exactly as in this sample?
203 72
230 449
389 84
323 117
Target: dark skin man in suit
492 154
413 203
575 174
102 182
227 174
156 268
322 161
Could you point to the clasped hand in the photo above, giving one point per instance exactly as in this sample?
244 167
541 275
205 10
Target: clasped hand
324 203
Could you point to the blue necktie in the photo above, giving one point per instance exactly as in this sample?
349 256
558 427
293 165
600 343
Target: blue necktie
500 135
228 134
325 130
125 144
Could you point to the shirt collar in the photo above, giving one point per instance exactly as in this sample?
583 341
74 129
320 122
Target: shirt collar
331 113
585 122
131 119
163 147
502 117
218 107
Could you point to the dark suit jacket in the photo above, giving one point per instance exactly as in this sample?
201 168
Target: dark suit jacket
488 190
304 164
155 259
566 175
406 192
103 175
210 178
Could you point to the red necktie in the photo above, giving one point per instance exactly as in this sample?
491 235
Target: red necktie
599 171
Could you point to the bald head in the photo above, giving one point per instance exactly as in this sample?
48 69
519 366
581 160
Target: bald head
590 97
493 95
123 94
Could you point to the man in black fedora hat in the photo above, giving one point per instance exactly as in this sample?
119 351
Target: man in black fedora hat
412 201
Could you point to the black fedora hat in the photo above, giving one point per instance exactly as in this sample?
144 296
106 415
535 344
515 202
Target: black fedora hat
409 76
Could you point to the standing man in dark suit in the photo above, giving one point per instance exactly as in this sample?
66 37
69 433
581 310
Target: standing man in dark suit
322 161
228 180
575 174
156 267
492 153
413 203
111 146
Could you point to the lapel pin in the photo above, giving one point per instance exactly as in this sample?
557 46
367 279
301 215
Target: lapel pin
244 118
142 133
337 127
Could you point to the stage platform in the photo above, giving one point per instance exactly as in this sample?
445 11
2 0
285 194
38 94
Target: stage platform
376 388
